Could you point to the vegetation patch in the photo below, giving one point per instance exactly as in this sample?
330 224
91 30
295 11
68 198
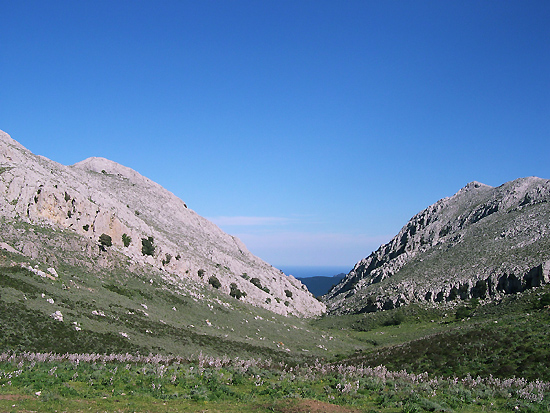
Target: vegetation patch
249 385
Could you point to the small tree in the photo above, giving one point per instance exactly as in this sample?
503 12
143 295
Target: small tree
105 240
235 292
147 246
200 273
126 240
256 282
214 282
167 260
288 293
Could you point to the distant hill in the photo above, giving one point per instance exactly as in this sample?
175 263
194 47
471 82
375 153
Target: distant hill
483 242
321 285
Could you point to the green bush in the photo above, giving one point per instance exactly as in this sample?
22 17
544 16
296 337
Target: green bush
256 282
463 312
147 246
235 292
126 240
105 240
167 260
288 293
397 319
544 300
214 282
200 273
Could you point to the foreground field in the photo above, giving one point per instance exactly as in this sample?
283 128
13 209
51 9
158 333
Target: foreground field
91 382
77 343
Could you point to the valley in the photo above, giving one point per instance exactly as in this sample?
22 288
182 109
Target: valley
115 296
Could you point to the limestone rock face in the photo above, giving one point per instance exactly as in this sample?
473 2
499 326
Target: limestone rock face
480 243
98 197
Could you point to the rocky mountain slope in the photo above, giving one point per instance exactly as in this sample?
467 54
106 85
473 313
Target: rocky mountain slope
103 212
480 243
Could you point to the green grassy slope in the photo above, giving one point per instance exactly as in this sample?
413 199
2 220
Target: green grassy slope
120 310
503 339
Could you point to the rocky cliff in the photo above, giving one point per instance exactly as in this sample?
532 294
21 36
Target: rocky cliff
107 210
480 243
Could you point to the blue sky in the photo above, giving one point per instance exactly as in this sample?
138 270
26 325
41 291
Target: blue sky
313 130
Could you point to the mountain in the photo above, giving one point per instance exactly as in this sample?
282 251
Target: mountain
320 285
99 215
482 242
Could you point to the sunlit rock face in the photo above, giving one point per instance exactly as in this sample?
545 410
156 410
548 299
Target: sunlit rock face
480 243
98 197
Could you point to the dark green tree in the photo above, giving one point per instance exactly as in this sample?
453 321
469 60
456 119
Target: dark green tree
235 292
126 240
147 246
214 282
105 240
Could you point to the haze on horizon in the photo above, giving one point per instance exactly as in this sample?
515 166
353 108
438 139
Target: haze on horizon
311 130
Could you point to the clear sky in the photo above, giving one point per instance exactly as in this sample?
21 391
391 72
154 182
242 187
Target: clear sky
313 130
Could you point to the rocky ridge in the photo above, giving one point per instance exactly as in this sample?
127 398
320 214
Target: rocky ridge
480 243
108 210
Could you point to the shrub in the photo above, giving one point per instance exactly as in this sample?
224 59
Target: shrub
167 259
214 282
200 273
288 293
126 240
105 240
147 246
463 312
544 300
86 227
256 282
397 319
67 197
235 292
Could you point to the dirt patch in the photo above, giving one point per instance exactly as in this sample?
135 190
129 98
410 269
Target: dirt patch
311 406
14 397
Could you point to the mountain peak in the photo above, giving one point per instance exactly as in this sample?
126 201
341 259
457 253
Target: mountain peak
7 139
475 185
480 243
106 166
98 201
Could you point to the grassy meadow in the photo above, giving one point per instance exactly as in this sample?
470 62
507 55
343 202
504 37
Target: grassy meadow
121 340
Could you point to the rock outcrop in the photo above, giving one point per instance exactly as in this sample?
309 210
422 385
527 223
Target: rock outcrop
105 206
480 243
